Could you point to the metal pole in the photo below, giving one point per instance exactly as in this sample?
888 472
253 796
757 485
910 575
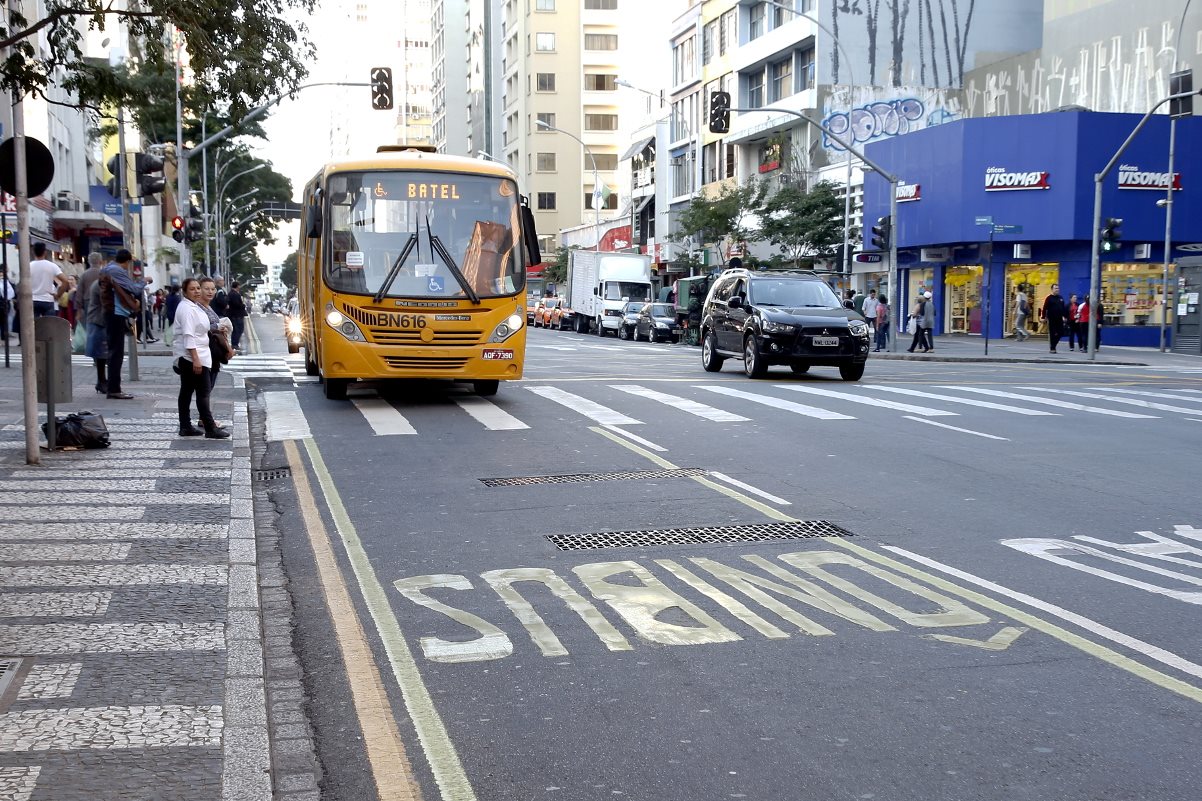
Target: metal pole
986 271
895 229
5 288
847 223
123 190
1095 265
183 201
1168 240
204 188
29 377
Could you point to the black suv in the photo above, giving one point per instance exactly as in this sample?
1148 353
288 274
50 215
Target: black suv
792 318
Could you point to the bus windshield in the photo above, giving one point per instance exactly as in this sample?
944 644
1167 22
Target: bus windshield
423 235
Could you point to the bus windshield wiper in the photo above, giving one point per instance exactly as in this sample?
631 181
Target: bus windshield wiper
396 267
437 246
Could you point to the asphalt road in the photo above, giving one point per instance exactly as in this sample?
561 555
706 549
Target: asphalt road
1011 611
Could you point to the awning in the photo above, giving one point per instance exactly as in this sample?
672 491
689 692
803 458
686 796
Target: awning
79 220
637 148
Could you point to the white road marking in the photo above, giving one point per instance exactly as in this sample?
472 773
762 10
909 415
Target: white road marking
110 638
683 404
111 728
646 443
883 404
383 417
154 472
550 347
111 575
50 680
54 604
27 552
285 420
488 414
1145 394
955 428
601 414
108 500
112 531
777 403
984 404
1143 404
748 488
1105 632
997 393
45 514
17 784
51 481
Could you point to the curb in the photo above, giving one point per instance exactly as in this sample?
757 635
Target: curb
1000 360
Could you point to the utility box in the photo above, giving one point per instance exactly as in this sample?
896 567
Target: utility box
52 354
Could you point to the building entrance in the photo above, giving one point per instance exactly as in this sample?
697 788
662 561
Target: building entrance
1037 281
962 300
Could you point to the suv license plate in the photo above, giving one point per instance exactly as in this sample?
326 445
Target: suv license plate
825 342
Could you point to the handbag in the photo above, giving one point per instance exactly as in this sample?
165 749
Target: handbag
912 326
218 348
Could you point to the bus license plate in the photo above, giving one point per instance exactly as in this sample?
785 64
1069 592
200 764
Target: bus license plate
826 342
498 354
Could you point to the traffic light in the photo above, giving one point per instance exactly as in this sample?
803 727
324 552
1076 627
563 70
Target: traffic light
194 230
381 88
719 112
1111 234
177 228
114 184
150 180
881 232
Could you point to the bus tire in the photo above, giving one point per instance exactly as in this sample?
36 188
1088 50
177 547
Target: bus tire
486 388
336 388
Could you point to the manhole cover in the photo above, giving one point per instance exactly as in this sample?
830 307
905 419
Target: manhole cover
273 475
699 535
573 478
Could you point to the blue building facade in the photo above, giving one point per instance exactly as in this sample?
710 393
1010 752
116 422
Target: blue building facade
1037 172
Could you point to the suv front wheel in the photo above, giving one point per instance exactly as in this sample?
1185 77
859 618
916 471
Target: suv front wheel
851 372
710 360
753 361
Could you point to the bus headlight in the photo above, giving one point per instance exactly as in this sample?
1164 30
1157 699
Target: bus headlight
335 318
505 330
343 325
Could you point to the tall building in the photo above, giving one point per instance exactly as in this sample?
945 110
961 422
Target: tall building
449 31
484 79
374 26
415 83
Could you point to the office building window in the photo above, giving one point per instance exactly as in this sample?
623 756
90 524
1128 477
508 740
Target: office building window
728 32
544 42
546 162
600 122
805 69
600 83
606 162
729 163
684 60
782 79
600 41
546 119
755 89
544 5
546 201
546 82
755 22
610 202
709 41
600 5
709 162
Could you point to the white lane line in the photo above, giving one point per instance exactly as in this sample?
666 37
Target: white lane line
954 428
1103 631
50 680
27 552
551 347
1193 420
383 417
997 393
488 414
683 404
111 728
1142 404
777 403
984 404
285 420
646 443
17 784
110 638
601 414
882 404
1146 394
54 604
748 488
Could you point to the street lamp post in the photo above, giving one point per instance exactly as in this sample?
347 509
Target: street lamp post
596 183
223 231
221 194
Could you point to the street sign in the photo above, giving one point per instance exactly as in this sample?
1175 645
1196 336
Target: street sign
870 258
984 221
1007 229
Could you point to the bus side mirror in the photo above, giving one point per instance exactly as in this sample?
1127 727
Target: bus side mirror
530 234
314 221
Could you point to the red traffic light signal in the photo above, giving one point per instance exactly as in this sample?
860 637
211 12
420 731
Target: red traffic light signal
177 223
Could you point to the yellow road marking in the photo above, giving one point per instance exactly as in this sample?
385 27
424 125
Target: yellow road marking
1101 652
436 742
254 336
385 752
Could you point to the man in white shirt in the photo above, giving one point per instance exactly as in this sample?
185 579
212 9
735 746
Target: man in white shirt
869 309
46 282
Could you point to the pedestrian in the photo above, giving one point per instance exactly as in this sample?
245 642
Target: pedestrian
193 361
8 303
1053 313
90 313
857 301
882 322
169 305
1071 324
160 298
928 321
220 299
146 329
65 305
918 315
1080 323
1022 308
236 311
868 307
848 295
120 297
218 342
47 283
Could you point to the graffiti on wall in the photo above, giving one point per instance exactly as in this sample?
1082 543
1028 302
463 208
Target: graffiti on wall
858 119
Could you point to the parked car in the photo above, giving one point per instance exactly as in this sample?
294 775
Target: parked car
790 318
543 310
562 317
531 305
656 322
630 316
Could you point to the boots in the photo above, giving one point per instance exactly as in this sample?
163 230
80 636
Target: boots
189 430
213 431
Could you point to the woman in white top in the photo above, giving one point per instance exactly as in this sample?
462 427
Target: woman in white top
193 360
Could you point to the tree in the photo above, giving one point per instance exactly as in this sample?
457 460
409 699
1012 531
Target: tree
730 215
805 223
556 272
240 52
288 271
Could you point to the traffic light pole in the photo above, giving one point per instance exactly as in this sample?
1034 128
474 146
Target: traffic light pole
126 237
879 170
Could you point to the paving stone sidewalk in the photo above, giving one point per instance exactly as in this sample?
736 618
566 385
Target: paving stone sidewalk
131 647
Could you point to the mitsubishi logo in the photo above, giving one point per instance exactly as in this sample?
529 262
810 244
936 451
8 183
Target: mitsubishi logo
826 332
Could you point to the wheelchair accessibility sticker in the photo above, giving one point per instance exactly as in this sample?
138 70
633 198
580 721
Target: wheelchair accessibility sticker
436 283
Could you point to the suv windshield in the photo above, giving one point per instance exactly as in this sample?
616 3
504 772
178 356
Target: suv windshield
616 290
423 235
660 310
792 293
631 308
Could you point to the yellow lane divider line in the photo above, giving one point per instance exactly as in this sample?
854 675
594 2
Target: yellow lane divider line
431 732
390 766
1051 629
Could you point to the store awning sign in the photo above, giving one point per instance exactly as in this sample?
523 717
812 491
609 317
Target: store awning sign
907 193
1132 177
999 179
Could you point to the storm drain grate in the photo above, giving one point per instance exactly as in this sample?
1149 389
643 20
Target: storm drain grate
272 475
8 670
699 535
575 478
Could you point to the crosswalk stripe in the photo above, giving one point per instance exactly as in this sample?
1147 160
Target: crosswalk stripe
157 726
488 414
115 575
777 403
110 638
925 411
601 414
683 404
54 604
997 393
1145 394
383 417
75 552
285 418
1143 404
984 404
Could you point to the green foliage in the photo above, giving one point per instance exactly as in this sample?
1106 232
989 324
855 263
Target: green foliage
729 215
805 224
557 271
288 272
239 52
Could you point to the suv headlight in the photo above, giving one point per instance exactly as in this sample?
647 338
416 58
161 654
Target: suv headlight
771 327
858 328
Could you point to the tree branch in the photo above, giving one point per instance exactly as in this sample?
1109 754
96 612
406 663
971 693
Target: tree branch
68 11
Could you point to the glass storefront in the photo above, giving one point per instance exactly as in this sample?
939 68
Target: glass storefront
1132 294
918 279
1036 280
962 300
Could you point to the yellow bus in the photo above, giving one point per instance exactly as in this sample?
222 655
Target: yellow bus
413 265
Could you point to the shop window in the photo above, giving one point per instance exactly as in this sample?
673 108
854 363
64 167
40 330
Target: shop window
1036 281
1133 294
962 300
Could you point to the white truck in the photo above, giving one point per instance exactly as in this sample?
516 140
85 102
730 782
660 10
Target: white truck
600 284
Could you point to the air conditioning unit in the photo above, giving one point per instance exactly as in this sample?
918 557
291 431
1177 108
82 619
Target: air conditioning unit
66 201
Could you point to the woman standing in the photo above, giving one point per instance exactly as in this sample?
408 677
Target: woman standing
1081 322
217 337
919 316
1073 330
882 323
193 360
